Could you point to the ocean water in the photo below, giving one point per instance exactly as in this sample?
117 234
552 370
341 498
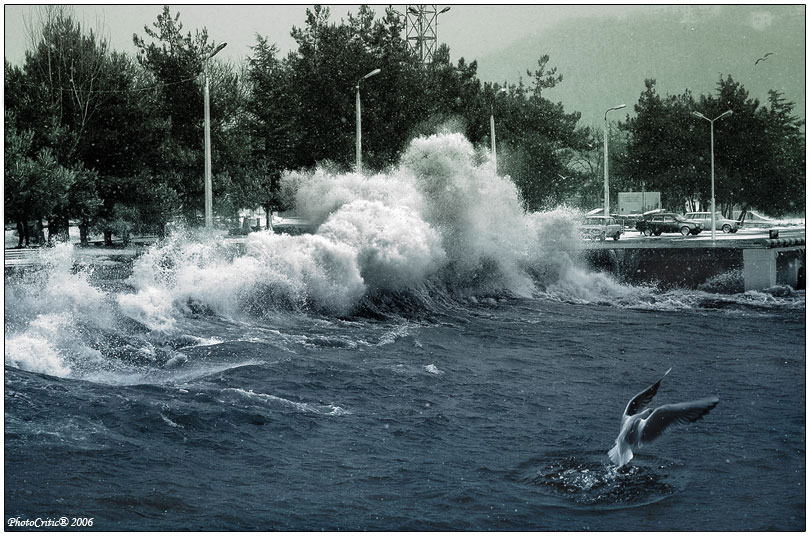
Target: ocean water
433 358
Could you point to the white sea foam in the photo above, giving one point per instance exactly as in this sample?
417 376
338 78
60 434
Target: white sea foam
47 314
394 248
170 422
433 369
439 216
203 341
275 401
34 353
190 372
441 222
441 219
57 288
398 332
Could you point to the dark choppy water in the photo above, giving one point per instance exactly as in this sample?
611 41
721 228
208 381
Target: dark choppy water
485 417
395 372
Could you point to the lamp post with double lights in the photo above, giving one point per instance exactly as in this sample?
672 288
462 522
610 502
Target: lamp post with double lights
358 146
209 202
607 187
711 122
422 27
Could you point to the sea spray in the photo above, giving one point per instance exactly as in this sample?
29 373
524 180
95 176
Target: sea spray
49 310
319 193
277 272
486 242
395 249
477 212
441 220
36 349
309 271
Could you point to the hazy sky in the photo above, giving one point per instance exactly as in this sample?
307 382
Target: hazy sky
604 51
469 30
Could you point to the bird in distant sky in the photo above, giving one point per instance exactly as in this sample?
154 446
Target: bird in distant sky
763 58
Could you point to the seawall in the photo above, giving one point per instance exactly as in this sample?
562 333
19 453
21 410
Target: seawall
756 264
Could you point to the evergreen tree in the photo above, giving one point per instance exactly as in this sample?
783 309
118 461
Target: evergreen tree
35 184
175 61
759 151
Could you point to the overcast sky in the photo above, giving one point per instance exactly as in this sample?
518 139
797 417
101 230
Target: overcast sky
604 51
470 31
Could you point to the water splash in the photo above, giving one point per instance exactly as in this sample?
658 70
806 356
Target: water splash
394 248
440 230
48 311
586 481
439 220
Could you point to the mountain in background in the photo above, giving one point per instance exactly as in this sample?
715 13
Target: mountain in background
605 61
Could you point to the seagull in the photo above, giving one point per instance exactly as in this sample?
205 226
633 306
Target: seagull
763 58
641 426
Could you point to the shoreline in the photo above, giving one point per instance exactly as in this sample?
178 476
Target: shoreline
672 261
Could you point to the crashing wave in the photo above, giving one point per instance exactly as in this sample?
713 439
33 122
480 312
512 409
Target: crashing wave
440 230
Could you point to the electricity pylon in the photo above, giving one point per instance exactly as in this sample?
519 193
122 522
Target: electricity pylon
421 24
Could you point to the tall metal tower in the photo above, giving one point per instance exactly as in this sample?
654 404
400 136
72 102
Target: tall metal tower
421 24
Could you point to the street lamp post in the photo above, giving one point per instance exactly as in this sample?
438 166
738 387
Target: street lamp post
492 128
209 209
711 128
607 188
358 146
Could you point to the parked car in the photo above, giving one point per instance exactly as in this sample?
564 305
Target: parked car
668 222
720 223
600 227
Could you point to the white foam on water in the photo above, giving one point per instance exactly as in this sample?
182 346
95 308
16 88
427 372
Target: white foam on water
441 221
170 422
203 341
433 369
47 312
57 289
398 332
275 401
576 285
151 307
439 214
394 248
35 353
439 217
159 376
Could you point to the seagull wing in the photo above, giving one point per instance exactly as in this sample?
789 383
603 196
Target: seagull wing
643 399
665 416
763 58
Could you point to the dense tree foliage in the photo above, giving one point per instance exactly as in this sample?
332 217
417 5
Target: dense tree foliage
759 150
114 143
36 185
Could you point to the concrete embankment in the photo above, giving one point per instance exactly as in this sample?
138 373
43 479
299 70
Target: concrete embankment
758 263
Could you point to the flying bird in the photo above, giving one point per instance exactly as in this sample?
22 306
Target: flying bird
763 58
641 426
